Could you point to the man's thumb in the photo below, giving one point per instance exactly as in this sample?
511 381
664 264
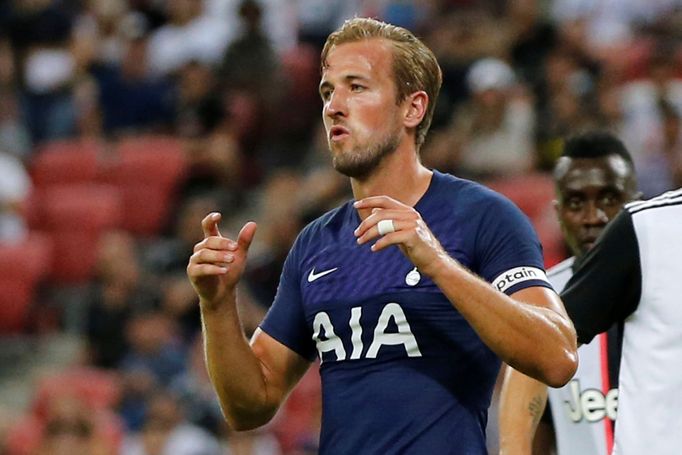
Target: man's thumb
246 235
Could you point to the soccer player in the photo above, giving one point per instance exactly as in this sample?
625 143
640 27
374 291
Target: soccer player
594 178
632 276
392 290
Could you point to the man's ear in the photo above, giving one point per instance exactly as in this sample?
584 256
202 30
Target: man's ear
417 104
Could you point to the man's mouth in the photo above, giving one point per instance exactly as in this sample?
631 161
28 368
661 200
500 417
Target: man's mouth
337 133
589 242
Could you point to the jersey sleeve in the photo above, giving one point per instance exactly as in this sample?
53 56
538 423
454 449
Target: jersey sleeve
285 320
509 254
606 288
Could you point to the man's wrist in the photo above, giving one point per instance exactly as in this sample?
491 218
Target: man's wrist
440 266
218 305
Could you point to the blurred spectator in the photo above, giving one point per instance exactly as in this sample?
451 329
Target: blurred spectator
47 66
492 135
119 291
252 80
660 163
566 89
607 25
131 98
154 347
97 30
651 107
199 110
15 186
155 359
195 392
459 37
189 35
279 19
250 62
14 137
534 36
137 385
167 432
180 304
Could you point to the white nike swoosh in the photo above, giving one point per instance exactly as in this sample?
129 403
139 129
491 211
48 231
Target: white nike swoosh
312 276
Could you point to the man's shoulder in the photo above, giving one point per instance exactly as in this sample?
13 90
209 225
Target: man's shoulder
466 194
451 182
667 199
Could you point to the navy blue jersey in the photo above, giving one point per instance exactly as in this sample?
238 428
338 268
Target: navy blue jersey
402 371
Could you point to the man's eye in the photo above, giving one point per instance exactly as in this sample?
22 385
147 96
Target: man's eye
356 87
574 204
609 200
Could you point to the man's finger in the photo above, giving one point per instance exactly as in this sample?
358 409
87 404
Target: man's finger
382 202
210 224
216 243
201 270
397 238
373 231
385 214
246 235
205 256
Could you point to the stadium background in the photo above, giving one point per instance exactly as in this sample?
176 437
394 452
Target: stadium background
123 122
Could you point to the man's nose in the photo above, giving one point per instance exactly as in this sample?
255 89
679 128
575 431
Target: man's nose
335 105
595 215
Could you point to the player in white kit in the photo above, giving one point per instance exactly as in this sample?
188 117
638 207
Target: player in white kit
594 179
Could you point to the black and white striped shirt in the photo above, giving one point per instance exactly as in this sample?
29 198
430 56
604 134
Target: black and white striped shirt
634 275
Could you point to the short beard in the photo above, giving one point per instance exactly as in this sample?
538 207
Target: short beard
359 163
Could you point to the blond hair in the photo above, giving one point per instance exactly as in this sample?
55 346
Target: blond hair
414 66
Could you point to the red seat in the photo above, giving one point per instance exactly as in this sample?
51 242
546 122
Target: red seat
99 389
65 162
147 170
23 437
22 266
76 216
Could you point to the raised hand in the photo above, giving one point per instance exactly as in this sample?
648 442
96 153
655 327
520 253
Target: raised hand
218 262
398 224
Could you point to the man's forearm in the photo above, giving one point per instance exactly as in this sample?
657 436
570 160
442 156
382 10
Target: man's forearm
234 369
526 331
522 403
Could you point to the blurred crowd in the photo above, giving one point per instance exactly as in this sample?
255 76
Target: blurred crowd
227 89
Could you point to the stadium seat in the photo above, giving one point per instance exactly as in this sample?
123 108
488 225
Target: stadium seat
99 389
75 216
23 437
65 162
147 170
22 267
